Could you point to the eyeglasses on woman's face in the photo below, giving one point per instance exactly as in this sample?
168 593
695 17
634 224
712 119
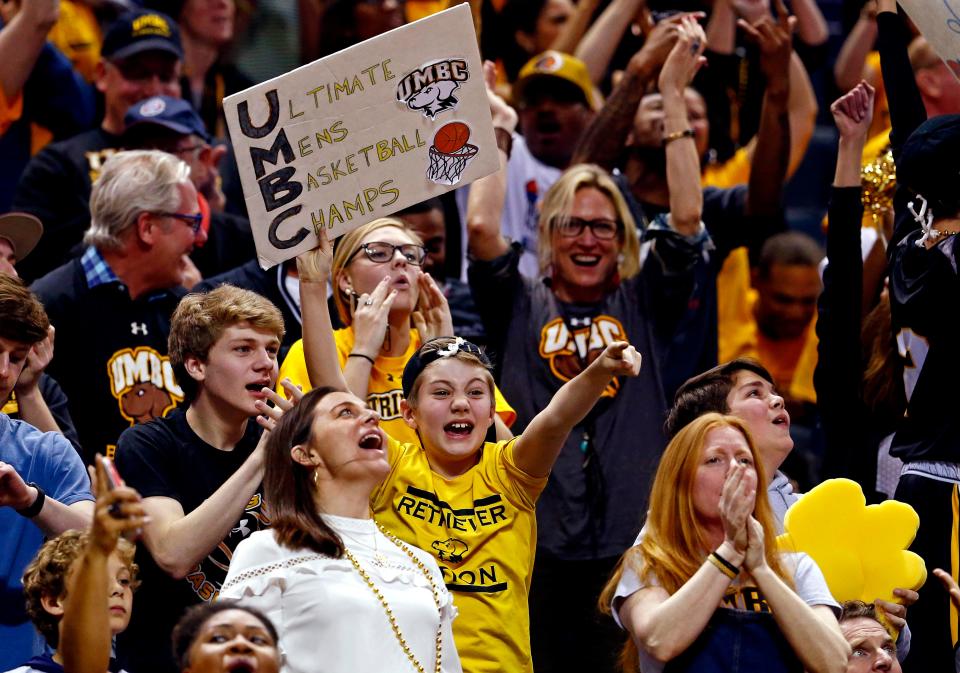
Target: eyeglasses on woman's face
382 252
571 227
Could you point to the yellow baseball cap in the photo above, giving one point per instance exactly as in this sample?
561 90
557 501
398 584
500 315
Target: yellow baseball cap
561 66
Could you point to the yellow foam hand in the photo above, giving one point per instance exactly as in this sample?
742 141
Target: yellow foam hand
860 549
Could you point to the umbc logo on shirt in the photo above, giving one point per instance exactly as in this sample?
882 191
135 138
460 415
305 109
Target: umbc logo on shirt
568 349
150 24
143 383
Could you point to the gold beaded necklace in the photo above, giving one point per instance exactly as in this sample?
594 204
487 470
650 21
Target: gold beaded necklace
386 606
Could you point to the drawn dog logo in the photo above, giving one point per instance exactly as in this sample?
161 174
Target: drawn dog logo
430 88
451 549
145 402
143 383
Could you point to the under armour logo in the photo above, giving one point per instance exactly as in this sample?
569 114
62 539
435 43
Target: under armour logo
243 528
138 328
580 322
390 377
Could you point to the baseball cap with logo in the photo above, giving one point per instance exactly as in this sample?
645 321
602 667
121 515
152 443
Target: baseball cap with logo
139 31
560 66
22 230
174 114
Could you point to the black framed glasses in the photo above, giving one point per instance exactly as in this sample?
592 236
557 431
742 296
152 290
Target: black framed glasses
192 221
381 252
602 228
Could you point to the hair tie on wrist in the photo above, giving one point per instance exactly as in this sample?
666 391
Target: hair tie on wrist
361 355
723 565
677 135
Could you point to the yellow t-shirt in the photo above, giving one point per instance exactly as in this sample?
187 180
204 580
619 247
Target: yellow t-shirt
384 390
482 529
791 364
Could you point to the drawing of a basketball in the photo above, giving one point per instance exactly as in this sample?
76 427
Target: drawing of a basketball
451 137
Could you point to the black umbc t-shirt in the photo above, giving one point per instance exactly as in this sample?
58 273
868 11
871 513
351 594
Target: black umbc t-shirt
165 457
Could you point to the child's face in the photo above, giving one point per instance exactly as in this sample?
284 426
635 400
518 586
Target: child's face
120 598
455 409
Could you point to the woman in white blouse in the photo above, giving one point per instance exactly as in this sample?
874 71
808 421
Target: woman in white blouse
345 594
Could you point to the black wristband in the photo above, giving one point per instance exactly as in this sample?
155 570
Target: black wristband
37 505
361 355
729 566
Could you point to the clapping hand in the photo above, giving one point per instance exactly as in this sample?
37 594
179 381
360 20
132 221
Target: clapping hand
737 500
432 317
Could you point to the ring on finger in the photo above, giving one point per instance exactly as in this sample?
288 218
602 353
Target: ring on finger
368 302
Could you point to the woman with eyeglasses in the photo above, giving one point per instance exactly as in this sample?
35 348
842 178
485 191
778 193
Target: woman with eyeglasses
389 306
591 292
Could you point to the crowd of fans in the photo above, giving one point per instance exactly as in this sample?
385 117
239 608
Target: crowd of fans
549 421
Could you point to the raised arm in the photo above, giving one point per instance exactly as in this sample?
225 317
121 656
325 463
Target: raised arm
537 448
603 141
486 196
179 541
811 26
839 372
85 637
768 167
598 46
573 30
848 68
683 164
319 348
21 41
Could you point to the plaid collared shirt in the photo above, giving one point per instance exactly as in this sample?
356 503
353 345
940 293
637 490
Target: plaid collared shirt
96 270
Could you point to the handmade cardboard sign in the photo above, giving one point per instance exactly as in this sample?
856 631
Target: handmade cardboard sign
939 22
362 133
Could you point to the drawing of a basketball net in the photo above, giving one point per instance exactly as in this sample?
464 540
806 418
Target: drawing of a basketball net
448 167
450 153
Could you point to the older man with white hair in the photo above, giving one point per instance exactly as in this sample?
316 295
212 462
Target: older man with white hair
111 307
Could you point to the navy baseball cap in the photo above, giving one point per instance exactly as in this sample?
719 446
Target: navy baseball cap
139 31
929 163
174 114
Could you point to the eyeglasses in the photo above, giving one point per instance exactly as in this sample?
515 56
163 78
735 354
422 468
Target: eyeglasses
381 253
571 227
192 221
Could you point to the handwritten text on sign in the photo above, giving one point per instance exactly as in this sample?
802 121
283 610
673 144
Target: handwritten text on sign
362 133
939 23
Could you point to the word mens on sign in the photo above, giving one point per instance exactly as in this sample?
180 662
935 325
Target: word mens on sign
362 133
939 23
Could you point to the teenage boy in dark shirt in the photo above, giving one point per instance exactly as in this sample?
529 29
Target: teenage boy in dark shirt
199 469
